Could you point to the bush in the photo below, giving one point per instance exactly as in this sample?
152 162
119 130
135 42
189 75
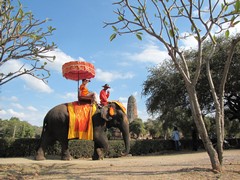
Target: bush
81 148
84 149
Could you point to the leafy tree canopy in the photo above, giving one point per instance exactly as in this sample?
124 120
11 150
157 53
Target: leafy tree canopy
15 128
166 91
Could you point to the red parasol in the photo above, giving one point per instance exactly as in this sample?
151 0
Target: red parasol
77 70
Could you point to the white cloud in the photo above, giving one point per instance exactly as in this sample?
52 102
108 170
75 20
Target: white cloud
31 108
189 43
70 96
33 83
11 99
111 76
150 54
19 106
3 112
36 84
13 113
61 58
233 30
11 66
29 114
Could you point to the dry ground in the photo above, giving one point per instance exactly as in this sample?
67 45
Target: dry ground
183 165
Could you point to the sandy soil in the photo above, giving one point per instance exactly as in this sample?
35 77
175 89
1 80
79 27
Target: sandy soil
183 165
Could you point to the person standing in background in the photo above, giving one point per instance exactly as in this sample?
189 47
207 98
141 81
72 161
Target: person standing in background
194 139
176 138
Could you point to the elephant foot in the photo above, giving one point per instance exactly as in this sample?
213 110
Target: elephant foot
95 158
39 157
67 158
100 154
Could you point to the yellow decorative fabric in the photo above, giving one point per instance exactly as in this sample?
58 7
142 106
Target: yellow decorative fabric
80 121
121 106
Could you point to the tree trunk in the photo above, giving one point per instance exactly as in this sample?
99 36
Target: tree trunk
198 119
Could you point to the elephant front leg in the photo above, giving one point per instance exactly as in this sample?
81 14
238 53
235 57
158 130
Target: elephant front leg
98 153
65 152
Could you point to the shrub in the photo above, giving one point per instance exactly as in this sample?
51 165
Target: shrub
84 149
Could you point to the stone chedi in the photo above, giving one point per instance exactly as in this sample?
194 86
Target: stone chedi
132 108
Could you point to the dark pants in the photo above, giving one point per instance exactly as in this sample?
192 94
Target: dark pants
177 145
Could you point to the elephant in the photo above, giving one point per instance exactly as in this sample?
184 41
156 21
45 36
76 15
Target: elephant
56 124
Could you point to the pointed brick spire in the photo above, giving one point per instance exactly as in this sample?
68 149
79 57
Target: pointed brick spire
132 108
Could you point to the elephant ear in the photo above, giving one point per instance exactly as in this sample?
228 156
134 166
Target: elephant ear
112 110
108 112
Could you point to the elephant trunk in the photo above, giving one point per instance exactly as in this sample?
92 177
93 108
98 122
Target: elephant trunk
126 136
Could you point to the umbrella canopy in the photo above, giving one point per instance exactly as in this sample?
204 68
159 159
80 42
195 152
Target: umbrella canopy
77 70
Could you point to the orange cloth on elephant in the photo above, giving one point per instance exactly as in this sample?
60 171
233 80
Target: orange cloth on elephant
80 121
83 90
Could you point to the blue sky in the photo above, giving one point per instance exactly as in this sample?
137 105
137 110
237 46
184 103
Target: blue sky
80 35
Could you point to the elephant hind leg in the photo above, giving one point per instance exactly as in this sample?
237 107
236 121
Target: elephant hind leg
44 142
40 155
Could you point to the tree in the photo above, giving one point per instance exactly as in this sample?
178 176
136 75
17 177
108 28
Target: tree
162 19
155 129
15 128
22 38
167 96
137 127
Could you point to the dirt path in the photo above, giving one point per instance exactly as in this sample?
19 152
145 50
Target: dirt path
175 166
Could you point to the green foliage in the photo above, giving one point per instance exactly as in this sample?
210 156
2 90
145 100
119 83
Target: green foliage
15 128
113 36
155 129
81 148
18 147
143 147
84 149
139 35
115 148
167 95
137 127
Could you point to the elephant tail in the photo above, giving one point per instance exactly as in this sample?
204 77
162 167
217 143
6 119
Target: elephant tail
45 126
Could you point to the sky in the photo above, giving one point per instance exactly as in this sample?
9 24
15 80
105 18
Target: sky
80 36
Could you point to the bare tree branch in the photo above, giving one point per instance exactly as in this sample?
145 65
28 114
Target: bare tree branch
23 39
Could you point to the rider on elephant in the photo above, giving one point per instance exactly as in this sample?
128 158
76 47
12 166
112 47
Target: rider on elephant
104 95
84 92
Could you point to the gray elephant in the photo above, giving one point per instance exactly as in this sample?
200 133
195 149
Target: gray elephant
56 125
